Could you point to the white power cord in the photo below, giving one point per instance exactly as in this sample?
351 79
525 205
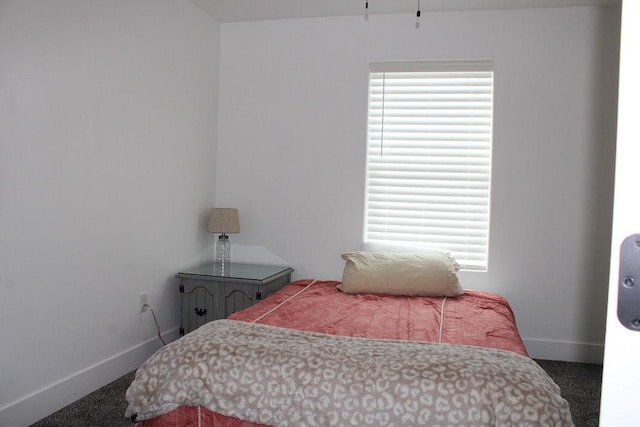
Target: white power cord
155 319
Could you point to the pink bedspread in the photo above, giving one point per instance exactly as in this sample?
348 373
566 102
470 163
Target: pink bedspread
474 318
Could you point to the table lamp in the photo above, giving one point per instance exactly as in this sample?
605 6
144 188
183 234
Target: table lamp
224 221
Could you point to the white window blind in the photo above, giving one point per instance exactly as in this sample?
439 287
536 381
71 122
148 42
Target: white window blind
429 157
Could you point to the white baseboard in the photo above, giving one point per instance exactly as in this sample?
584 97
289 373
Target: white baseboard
53 397
565 351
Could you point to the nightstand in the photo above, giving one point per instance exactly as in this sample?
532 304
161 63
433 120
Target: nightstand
209 292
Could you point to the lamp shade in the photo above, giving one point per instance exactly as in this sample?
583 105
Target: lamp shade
224 220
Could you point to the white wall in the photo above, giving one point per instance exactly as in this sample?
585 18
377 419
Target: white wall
108 116
291 149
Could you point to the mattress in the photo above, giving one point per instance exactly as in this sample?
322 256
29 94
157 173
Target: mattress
476 327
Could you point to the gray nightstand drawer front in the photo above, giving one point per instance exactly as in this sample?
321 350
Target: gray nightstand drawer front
238 296
208 294
200 304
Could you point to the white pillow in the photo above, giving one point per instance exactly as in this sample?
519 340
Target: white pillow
432 274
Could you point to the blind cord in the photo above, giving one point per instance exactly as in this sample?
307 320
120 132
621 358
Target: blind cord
384 78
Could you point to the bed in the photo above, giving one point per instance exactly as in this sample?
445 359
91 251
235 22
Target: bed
314 354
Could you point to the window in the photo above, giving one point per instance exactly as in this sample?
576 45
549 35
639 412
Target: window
429 157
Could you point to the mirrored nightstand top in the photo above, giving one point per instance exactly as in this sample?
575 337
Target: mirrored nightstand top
235 271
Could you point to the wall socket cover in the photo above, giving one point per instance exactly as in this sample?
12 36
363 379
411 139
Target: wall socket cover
143 302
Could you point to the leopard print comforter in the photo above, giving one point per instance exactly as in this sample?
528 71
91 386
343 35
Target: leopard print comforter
285 377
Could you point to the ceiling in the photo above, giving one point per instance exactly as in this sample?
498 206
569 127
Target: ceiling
257 10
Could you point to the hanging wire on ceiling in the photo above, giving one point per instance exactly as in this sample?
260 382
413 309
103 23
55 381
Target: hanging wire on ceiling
418 13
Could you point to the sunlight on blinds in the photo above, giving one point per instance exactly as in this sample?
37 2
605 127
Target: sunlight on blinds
429 157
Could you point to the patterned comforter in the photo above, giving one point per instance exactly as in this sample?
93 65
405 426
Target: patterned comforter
285 377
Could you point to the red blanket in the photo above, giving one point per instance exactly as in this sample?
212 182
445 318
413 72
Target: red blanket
474 318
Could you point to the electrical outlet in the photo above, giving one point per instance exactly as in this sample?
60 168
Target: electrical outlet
143 302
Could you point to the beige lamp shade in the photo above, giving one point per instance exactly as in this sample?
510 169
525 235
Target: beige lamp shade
224 220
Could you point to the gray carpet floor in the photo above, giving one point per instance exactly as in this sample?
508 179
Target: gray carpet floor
580 384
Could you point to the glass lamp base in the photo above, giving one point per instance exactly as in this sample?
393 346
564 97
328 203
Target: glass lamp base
223 249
